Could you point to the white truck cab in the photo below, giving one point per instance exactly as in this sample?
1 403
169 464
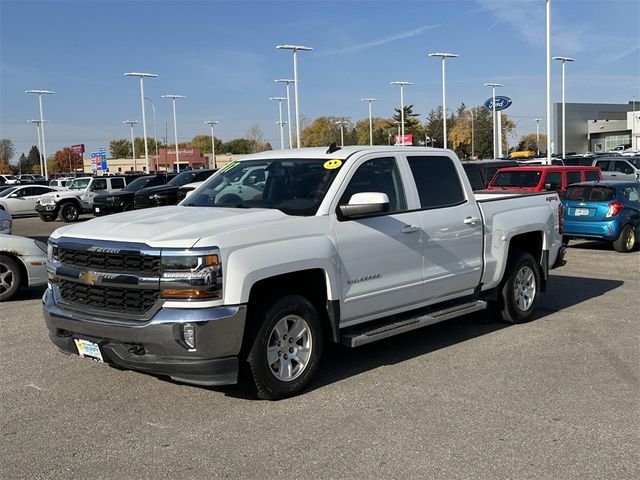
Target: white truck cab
346 245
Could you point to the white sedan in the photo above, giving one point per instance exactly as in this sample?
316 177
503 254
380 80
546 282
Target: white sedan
23 262
21 199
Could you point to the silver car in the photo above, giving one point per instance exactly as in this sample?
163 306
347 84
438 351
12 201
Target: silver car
21 199
619 168
23 263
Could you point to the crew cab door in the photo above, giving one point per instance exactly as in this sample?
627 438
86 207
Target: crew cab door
380 255
450 217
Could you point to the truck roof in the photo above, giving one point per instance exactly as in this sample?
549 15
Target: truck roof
342 154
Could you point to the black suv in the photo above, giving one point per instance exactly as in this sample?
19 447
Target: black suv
122 201
168 194
480 172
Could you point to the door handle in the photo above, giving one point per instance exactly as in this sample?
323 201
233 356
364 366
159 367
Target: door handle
471 220
410 229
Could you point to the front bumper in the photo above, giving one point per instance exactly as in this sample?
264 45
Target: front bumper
48 209
156 346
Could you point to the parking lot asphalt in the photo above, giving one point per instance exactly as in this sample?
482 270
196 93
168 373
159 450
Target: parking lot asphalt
557 398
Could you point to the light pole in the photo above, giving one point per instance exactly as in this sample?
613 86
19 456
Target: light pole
155 131
342 123
370 100
175 126
444 56
280 122
564 60
473 139
37 124
402 85
288 82
44 150
131 123
211 123
144 118
548 60
295 49
493 108
538 136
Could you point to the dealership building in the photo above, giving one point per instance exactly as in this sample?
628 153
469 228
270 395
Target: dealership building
597 127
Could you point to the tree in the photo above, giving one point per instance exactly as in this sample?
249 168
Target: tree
238 146
64 161
528 142
120 148
6 151
22 164
412 125
203 143
459 136
255 135
33 161
324 131
382 129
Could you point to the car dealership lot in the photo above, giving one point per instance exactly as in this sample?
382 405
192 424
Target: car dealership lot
470 398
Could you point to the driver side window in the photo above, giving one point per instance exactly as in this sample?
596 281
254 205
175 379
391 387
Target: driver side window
378 175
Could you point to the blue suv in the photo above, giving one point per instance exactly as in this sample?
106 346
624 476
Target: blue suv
605 210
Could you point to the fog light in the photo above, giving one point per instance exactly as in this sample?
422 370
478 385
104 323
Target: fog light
189 335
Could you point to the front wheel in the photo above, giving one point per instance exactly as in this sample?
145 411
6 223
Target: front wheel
47 217
10 277
286 349
520 291
69 212
626 241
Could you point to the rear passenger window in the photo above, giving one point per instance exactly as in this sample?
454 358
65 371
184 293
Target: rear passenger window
437 181
591 176
554 179
573 177
603 165
117 183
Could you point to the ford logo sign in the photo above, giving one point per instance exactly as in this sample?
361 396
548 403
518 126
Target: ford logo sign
501 103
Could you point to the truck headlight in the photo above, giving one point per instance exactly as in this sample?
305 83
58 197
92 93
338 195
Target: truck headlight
52 252
191 274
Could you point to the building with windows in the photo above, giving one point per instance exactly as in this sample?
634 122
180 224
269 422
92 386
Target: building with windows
596 127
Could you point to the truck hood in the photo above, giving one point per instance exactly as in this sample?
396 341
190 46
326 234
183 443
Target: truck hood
175 227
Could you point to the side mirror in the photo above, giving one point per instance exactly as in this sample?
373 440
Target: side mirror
13 195
547 187
365 203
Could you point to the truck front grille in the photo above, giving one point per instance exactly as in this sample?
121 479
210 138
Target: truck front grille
111 263
109 299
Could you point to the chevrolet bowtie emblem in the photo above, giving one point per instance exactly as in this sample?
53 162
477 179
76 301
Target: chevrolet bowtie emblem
90 278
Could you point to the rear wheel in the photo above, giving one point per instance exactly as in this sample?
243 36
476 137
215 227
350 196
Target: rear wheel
69 212
626 241
10 277
519 294
286 349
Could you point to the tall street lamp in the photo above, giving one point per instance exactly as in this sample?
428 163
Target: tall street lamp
548 60
155 131
211 123
370 100
444 56
175 126
538 136
473 138
288 82
44 149
342 123
37 124
280 122
144 118
564 60
131 123
493 108
402 85
295 49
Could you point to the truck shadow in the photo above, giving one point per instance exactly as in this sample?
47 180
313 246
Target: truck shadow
340 363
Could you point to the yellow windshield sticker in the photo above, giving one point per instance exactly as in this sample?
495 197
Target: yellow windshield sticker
229 166
332 164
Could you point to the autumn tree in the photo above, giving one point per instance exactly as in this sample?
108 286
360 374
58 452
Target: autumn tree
529 142
203 143
238 146
382 129
120 148
6 154
324 131
64 161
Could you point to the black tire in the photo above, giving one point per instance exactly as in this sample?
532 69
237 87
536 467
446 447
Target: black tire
47 217
626 241
10 277
287 309
69 212
520 291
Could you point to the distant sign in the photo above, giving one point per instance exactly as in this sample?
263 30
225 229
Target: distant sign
79 149
408 139
501 103
99 160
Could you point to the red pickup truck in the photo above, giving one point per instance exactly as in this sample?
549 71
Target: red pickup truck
542 177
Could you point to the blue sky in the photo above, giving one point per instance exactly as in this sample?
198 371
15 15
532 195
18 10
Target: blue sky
222 57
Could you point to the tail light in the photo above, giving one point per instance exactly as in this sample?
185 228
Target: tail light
614 209
560 218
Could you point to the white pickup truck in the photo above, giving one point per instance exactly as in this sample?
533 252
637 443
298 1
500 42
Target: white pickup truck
348 245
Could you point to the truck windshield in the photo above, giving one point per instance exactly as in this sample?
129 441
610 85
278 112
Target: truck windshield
183 178
140 183
517 178
293 186
79 184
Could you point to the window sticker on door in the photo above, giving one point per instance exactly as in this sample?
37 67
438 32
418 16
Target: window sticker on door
332 164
